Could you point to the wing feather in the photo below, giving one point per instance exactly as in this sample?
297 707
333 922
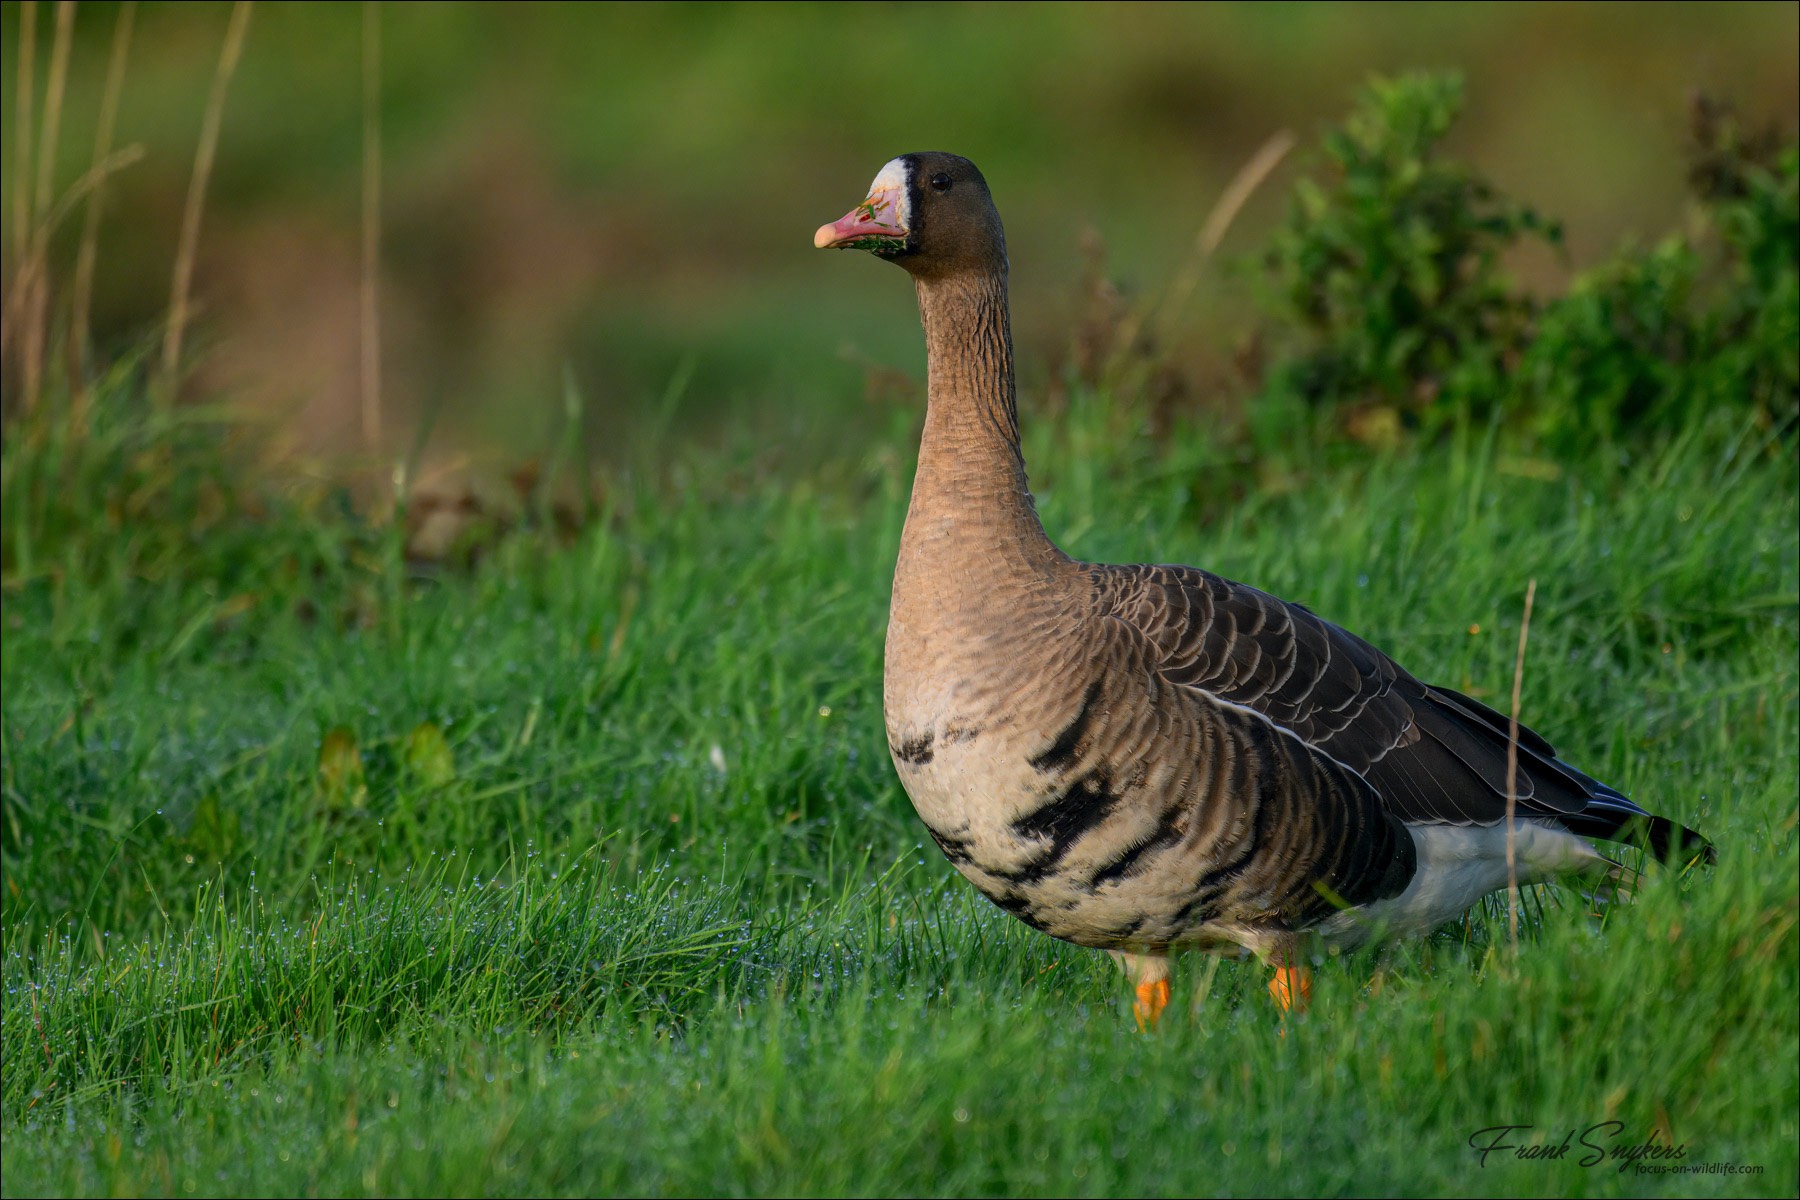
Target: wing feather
1434 755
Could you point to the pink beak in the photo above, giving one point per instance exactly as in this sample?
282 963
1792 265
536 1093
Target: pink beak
873 218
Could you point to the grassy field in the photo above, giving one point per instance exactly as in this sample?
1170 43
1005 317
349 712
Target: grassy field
583 868
392 826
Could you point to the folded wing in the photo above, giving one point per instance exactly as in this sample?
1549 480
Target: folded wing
1435 755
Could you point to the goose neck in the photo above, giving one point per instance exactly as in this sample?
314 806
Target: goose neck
971 440
970 501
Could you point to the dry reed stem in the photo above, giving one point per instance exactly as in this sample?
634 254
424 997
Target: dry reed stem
35 295
1512 771
22 155
1224 211
371 226
196 198
87 256
22 126
51 128
1237 193
78 191
37 253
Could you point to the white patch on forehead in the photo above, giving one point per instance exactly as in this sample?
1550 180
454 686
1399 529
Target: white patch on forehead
892 177
893 183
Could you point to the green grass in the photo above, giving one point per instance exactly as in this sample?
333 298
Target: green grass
584 869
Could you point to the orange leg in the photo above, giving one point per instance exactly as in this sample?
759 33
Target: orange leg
1291 988
1152 998
1149 972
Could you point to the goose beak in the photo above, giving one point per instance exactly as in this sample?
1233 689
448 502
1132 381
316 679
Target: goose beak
874 224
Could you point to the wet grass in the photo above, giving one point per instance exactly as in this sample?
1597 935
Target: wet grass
583 869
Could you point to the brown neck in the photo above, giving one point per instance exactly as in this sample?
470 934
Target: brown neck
972 424
970 490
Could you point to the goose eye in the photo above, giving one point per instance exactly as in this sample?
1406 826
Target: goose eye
940 182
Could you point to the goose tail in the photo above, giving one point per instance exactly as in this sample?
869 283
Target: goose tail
1611 816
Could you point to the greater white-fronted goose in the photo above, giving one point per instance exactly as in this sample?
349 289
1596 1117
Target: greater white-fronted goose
1150 758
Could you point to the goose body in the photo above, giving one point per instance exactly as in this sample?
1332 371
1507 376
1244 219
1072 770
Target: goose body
1147 758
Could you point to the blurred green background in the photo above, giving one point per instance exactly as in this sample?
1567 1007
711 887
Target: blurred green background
626 193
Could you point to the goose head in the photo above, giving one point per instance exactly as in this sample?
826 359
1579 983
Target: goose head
929 212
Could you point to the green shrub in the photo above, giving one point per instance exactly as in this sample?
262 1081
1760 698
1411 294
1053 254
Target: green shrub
1387 284
1619 350
1389 308
1751 186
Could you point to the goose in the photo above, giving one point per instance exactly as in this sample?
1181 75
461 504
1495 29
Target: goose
1147 759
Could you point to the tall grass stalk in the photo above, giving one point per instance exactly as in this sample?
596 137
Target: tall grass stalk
35 301
88 255
1512 772
54 86
1244 184
22 104
188 246
371 226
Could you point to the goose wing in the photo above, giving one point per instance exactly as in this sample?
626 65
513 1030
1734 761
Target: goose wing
1434 755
